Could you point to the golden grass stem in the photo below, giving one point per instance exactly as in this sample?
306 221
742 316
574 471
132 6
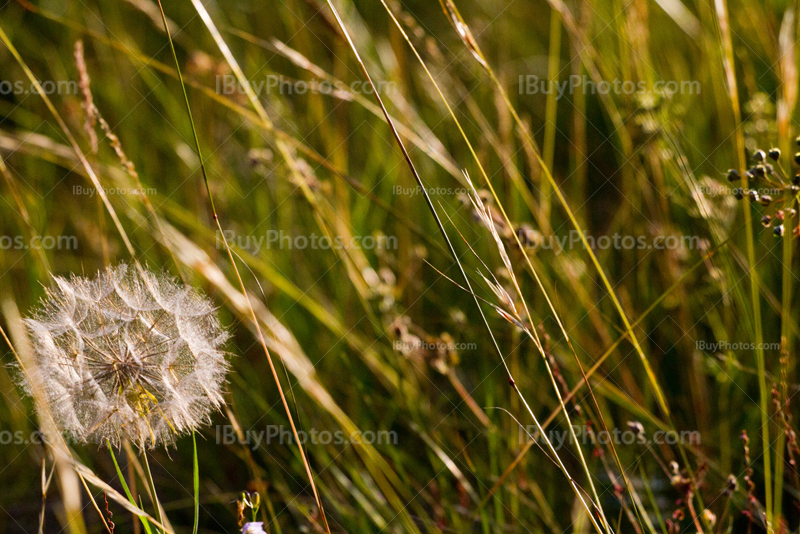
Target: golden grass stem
725 35
204 15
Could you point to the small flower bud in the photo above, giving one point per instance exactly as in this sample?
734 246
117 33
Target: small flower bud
778 231
765 200
733 175
710 517
775 154
766 220
759 156
738 193
752 195
733 485
797 158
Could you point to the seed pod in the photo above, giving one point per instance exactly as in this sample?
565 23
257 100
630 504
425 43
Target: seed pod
759 156
761 171
775 154
797 158
752 195
770 168
733 175
765 200
766 220
733 485
738 193
778 231
636 427
796 179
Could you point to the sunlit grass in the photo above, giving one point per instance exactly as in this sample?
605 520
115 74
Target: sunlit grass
498 333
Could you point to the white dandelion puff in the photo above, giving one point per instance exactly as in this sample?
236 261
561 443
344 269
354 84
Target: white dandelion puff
129 354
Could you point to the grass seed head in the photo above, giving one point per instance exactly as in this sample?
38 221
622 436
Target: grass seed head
129 354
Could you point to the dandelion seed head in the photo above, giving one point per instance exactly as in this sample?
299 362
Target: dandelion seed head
129 354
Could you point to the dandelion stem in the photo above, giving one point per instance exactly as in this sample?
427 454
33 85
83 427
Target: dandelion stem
125 488
153 494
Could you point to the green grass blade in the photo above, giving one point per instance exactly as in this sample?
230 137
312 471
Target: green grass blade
145 522
196 483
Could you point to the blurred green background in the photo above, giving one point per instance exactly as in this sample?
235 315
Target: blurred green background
357 331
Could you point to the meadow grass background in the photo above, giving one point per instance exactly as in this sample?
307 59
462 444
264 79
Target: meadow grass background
355 331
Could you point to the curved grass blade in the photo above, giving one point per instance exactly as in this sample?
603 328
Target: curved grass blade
764 394
236 270
143 519
455 257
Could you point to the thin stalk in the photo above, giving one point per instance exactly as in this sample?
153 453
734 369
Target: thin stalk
153 494
786 347
125 488
72 142
452 12
722 16
549 146
477 52
652 498
23 212
196 484
557 190
599 361
787 102
236 270
440 226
